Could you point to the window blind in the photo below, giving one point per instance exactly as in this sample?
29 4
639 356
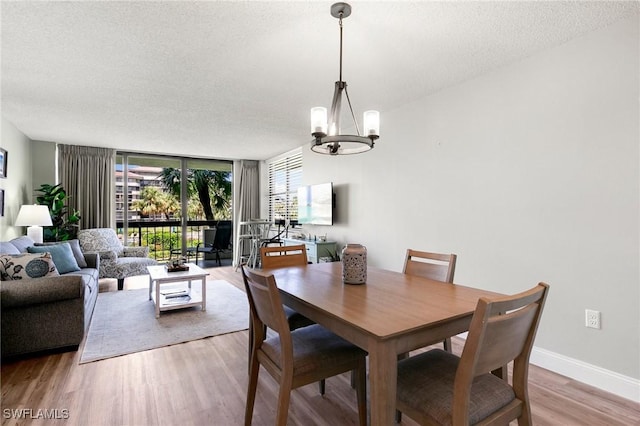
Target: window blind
285 176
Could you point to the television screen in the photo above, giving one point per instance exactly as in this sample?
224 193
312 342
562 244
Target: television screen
315 204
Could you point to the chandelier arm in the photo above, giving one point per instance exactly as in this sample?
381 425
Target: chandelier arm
351 109
336 107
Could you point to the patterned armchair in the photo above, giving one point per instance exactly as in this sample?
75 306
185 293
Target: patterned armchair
116 260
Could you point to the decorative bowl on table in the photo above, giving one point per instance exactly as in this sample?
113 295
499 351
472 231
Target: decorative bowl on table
177 265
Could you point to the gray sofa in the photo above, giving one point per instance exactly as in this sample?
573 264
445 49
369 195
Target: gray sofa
46 313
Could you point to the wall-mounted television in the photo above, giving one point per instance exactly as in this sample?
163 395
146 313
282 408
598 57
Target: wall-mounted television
315 204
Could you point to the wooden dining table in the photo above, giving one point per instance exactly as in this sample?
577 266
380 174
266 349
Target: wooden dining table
391 314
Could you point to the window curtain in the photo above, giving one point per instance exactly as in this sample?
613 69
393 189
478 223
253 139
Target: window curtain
246 200
88 176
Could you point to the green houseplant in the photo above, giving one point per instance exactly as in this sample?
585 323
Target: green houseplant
65 221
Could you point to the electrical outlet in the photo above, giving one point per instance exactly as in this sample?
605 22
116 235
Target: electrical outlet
592 318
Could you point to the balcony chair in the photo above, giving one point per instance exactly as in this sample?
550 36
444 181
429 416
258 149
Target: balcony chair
116 260
294 358
221 242
439 388
175 248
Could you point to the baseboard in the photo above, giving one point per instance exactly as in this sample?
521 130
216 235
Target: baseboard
592 375
606 380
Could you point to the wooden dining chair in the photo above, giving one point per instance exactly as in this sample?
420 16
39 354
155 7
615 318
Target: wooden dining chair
438 388
294 358
435 266
282 257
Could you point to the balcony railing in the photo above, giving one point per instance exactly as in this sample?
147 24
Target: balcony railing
164 237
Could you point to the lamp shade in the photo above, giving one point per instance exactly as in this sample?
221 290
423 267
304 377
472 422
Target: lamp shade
371 123
319 120
35 217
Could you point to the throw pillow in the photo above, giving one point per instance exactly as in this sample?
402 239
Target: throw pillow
62 256
27 266
21 243
75 248
8 248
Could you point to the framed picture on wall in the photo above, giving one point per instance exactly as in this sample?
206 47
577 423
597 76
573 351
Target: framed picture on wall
3 163
1 202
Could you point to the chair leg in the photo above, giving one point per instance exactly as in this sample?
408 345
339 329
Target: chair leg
525 417
321 386
284 396
361 391
254 369
398 412
250 346
120 283
447 345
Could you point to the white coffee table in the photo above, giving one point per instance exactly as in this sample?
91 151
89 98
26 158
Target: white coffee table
173 289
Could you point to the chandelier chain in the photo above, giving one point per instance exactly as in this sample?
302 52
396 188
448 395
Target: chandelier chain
353 116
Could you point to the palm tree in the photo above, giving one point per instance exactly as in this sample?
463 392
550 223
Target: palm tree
154 201
213 188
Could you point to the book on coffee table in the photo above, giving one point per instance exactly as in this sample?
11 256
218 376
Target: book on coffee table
169 294
168 300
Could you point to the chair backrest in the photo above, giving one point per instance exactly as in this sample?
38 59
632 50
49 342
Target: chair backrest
222 238
100 239
283 256
266 308
502 330
435 266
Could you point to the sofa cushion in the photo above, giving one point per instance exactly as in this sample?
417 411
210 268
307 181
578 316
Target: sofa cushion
21 243
61 254
8 248
26 266
75 248
31 293
89 278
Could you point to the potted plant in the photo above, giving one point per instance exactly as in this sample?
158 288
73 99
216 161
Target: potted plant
65 221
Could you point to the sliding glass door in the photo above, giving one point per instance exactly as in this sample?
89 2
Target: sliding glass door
170 203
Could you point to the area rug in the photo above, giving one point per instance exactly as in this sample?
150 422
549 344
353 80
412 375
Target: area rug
124 322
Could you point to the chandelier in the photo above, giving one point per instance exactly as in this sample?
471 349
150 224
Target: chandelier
326 133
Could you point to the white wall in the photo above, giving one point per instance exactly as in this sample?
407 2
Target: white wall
17 186
529 173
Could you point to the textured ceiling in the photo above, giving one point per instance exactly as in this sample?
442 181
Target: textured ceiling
237 79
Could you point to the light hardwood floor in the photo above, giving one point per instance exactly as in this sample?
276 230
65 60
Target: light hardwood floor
204 383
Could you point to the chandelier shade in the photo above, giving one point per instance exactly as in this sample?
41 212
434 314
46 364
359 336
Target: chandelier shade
325 128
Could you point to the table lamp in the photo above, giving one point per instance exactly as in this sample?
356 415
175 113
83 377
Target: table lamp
35 217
